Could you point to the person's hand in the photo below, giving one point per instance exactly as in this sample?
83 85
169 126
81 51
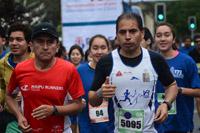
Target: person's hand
161 113
108 90
42 111
23 124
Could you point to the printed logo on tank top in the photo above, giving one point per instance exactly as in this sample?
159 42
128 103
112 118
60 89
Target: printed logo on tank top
132 97
118 74
177 73
146 76
134 78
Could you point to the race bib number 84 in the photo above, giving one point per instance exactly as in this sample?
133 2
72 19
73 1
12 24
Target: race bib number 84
130 121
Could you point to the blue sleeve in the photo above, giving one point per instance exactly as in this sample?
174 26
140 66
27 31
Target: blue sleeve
193 74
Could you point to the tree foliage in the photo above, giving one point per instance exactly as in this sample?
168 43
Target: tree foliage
178 13
29 11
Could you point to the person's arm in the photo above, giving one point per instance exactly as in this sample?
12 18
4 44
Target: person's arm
189 91
94 99
71 109
167 80
106 91
13 105
99 85
171 92
44 111
193 79
22 121
170 95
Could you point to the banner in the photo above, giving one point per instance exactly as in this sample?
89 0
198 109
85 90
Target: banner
82 19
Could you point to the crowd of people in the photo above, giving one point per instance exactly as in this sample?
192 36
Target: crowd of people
119 86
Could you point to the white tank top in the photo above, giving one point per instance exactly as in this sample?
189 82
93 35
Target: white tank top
135 90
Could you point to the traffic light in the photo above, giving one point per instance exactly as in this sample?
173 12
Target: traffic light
192 23
160 12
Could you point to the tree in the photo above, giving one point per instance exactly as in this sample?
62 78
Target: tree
178 13
29 11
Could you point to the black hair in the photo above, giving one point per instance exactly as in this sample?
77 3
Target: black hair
99 36
2 32
61 51
131 16
23 28
87 52
148 35
78 48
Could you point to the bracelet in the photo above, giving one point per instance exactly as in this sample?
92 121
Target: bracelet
55 110
99 93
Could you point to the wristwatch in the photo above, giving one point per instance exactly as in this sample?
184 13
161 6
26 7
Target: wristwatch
55 110
169 105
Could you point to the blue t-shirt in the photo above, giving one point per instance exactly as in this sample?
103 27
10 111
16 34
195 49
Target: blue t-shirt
185 73
85 126
186 50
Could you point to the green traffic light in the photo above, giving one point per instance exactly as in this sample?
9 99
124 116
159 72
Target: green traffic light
160 17
192 26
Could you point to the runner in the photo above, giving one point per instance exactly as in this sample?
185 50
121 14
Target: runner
44 82
134 69
184 71
93 119
19 37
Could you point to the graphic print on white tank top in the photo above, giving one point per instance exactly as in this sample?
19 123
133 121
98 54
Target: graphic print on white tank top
134 96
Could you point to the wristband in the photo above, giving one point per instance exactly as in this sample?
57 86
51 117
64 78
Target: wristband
169 105
55 110
180 90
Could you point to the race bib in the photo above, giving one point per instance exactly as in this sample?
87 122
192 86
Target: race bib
100 113
161 97
130 121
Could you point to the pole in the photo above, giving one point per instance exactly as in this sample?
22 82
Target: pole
192 34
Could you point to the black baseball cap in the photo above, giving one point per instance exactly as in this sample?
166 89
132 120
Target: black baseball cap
44 28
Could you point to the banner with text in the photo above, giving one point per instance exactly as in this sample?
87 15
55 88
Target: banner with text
82 19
